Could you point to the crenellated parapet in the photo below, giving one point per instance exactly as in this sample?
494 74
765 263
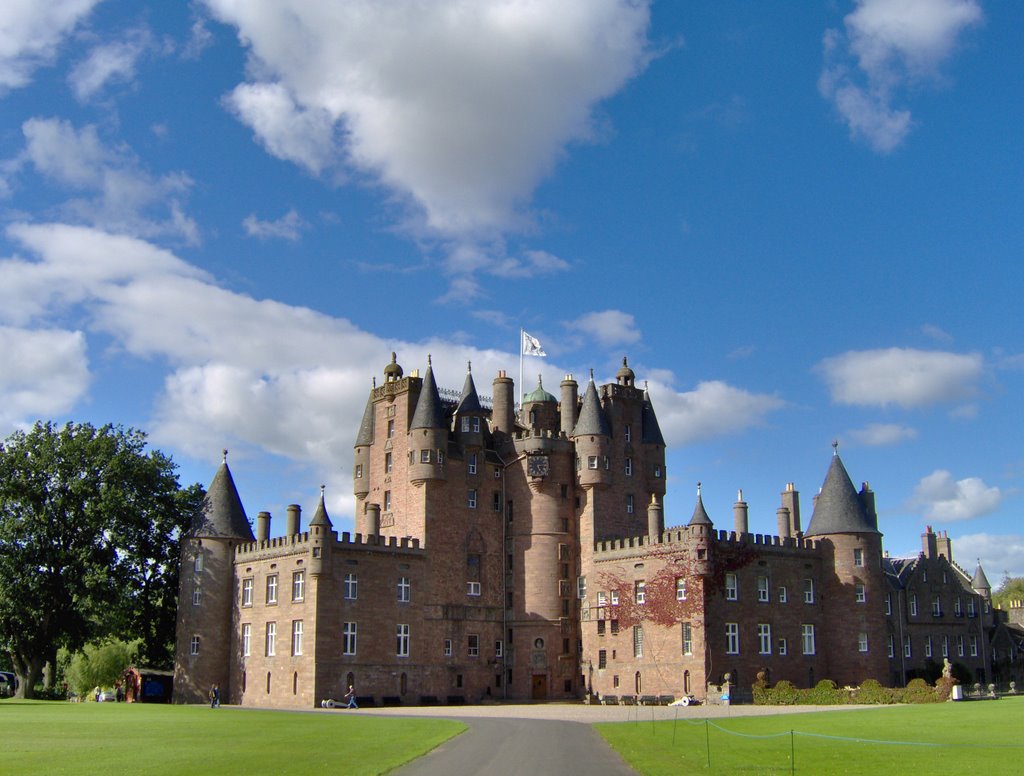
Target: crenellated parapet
679 539
289 545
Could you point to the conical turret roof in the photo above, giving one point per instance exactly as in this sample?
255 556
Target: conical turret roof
469 401
651 432
839 509
428 408
320 516
365 436
700 515
980 581
592 419
222 516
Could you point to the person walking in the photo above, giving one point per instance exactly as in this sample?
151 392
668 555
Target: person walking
215 696
350 698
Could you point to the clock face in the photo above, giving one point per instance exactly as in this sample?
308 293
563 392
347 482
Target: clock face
537 465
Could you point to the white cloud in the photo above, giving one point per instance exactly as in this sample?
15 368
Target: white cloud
936 333
901 376
883 434
30 34
999 554
120 195
712 409
607 327
459 109
896 44
288 227
45 372
943 499
107 63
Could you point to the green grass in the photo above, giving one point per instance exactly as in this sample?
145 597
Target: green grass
970 735
84 738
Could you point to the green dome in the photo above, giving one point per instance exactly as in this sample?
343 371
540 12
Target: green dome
539 394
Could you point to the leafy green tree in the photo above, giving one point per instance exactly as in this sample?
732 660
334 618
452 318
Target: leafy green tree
1010 589
99 665
89 522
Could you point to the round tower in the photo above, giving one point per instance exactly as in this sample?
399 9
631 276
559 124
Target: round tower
702 538
364 441
428 433
503 413
321 538
592 436
570 397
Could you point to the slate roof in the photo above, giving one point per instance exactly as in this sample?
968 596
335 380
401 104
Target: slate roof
839 509
365 436
592 419
222 516
469 402
651 431
320 516
429 411
980 581
700 515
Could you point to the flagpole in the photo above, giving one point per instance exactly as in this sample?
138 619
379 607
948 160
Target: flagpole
522 332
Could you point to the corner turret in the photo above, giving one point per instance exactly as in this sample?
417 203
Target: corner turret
321 538
470 419
428 433
592 435
364 441
702 532
979 583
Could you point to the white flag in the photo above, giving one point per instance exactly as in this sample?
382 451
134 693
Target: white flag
531 346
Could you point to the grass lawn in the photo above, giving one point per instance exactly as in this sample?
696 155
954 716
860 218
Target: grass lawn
938 738
41 737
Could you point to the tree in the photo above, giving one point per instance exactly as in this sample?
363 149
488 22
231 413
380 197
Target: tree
88 542
1010 589
99 665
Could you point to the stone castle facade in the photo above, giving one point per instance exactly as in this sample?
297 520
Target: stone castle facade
505 555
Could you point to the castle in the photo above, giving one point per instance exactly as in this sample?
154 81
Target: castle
505 555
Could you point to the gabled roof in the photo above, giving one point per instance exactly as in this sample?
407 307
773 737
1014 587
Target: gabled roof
222 516
651 432
839 509
700 515
365 436
429 412
469 402
592 419
320 516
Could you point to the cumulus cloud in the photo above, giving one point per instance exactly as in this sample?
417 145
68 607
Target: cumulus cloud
712 409
894 44
607 327
288 227
45 372
109 63
458 109
30 34
117 193
999 554
883 434
943 499
900 376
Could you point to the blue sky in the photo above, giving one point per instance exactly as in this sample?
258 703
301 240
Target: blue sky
217 220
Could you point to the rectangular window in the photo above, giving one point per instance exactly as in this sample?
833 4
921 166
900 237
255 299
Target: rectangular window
860 593
193 647
424 456
862 642
271 639
638 641
296 637
387 501
858 556
246 639
958 608
591 461
298 585
783 594
465 425
762 590
600 627
970 607
974 646
928 647
629 467
615 597
936 606
388 463
602 598
476 424
351 587
602 658
639 591
888 604
808 591
197 596
960 646
657 472
764 639
198 565
472 588
471 463
348 638
687 639
272 589
731 587
807 639
402 640
473 644
471 498
629 503
680 589
447 647
496 501
359 471
783 646
581 587
913 605
945 646
499 648
732 638
892 646
404 590
907 650
391 429
629 433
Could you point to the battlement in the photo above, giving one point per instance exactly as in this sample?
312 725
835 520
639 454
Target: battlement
284 545
675 537
527 434
765 540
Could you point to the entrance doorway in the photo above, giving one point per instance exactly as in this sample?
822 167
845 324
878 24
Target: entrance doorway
540 687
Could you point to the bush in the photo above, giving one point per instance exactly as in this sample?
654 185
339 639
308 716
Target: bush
826 693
